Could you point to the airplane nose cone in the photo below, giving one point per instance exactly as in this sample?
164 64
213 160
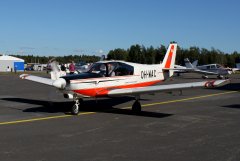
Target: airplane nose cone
60 83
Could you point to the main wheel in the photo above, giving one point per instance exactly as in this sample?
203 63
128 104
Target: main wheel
75 109
136 107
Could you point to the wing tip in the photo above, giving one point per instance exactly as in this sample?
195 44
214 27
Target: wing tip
217 83
23 76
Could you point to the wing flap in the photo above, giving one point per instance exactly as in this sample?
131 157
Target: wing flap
170 87
33 78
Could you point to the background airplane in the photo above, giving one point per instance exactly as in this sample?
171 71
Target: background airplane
119 78
181 69
209 69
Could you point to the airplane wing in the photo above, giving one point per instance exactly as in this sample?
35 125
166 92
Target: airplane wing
170 87
42 80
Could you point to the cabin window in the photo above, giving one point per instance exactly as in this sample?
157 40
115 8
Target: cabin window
111 67
123 69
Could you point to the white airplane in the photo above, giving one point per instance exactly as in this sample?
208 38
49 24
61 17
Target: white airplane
182 69
119 78
209 69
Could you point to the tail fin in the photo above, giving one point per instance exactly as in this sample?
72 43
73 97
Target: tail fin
188 64
169 59
195 63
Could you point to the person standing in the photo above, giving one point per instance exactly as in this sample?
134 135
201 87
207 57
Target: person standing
8 69
72 68
15 69
63 68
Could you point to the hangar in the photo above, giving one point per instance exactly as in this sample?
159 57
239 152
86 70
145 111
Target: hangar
9 63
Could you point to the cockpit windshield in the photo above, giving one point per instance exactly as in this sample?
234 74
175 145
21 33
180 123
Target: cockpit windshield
98 68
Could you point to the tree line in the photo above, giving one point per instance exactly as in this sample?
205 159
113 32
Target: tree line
60 59
148 55
151 55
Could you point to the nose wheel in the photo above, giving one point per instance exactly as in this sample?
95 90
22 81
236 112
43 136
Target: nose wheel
75 108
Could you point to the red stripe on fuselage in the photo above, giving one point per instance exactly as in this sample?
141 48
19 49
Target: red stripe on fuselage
101 79
103 91
169 59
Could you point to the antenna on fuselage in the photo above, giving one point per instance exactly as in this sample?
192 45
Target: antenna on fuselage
102 58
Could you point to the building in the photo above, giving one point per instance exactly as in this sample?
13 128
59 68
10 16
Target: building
10 63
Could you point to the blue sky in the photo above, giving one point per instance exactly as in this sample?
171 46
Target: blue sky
63 27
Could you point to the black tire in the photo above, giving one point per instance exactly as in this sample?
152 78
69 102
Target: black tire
136 107
75 109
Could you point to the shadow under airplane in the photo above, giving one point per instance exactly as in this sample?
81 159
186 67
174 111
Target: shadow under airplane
100 106
235 106
230 87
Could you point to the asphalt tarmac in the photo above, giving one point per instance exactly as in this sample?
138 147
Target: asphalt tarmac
199 125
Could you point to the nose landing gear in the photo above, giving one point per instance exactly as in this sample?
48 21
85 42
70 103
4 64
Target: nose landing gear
75 108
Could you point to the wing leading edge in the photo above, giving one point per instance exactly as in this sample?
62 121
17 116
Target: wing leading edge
170 87
42 80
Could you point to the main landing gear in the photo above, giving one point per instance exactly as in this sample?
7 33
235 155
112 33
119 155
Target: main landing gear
136 107
75 108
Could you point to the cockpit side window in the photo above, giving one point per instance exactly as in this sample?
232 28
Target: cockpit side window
124 69
111 67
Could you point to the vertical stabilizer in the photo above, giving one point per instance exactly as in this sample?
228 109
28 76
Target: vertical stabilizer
195 63
188 64
169 59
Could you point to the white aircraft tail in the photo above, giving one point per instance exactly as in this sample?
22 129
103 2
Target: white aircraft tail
195 63
188 64
169 59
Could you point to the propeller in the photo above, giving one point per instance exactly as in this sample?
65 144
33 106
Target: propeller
59 83
54 65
